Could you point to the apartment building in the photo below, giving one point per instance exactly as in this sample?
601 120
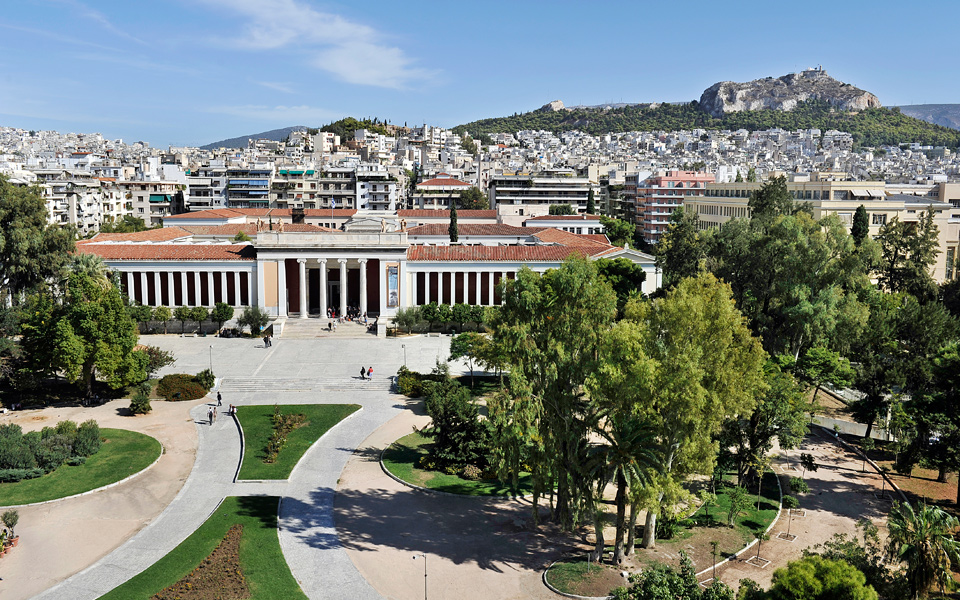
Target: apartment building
437 193
655 198
151 201
827 194
249 186
207 186
376 187
295 187
338 189
525 190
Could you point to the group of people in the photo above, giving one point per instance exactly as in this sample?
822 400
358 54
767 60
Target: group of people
353 314
267 341
366 373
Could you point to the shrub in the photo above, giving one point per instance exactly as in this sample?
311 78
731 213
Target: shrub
180 386
10 519
253 317
157 359
68 429
471 472
206 379
140 404
412 384
76 461
15 475
459 436
799 486
54 451
87 442
282 426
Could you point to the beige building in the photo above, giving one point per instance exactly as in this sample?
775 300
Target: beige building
827 194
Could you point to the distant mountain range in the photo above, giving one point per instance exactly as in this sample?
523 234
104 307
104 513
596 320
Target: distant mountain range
276 135
947 115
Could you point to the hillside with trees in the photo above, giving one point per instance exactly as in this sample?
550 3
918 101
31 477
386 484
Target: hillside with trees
871 127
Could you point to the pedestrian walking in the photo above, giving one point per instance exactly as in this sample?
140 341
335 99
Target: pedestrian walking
210 416
219 399
363 373
370 373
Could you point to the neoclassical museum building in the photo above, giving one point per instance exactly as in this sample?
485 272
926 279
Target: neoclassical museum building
300 263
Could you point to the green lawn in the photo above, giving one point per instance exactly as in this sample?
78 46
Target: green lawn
257 427
261 559
752 518
403 455
122 454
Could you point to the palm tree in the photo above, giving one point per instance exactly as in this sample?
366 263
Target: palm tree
923 539
625 459
92 265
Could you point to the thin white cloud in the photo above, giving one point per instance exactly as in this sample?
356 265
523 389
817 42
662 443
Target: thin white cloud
302 114
136 63
57 37
273 85
354 52
101 19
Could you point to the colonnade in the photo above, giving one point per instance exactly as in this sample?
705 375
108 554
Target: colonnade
189 288
324 302
478 297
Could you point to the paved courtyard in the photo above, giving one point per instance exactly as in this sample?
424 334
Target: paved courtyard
346 529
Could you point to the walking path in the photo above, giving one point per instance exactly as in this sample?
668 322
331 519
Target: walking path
840 495
307 534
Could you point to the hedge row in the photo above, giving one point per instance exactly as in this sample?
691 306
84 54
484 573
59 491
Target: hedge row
25 456
180 386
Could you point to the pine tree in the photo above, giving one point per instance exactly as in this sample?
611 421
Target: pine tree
861 225
454 235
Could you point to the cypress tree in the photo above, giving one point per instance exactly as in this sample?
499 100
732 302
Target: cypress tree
454 236
861 225
591 206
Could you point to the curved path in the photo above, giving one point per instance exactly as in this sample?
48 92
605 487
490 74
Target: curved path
307 535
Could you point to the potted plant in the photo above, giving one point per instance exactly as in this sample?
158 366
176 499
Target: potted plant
10 519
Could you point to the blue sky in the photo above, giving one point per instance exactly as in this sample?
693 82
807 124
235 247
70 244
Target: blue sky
196 71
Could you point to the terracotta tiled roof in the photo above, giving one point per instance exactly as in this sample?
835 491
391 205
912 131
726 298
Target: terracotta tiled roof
472 229
597 237
325 212
493 253
443 181
250 228
164 234
445 214
559 236
566 218
169 251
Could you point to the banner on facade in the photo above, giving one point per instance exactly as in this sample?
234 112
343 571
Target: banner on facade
393 285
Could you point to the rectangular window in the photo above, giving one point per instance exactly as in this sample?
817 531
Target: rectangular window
879 218
951 259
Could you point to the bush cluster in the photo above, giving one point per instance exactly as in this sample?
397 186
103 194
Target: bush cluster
461 439
282 426
180 386
411 383
26 456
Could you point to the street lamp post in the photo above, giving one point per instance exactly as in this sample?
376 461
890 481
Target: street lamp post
404 346
424 557
211 358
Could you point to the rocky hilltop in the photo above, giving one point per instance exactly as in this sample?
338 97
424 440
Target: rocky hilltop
783 93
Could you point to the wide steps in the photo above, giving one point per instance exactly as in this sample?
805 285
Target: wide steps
304 384
303 329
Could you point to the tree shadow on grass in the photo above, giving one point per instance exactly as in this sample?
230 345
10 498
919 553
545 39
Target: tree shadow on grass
262 508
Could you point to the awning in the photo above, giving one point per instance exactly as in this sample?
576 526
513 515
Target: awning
878 193
159 198
860 193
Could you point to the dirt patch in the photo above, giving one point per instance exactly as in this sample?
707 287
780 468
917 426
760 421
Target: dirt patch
219 576
582 579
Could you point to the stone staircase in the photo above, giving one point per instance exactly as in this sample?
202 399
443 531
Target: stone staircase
267 385
312 328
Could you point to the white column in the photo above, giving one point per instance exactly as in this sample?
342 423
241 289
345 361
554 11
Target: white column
363 286
131 291
184 298
343 285
490 289
250 297
282 287
224 294
413 288
439 287
144 292
382 278
209 288
171 291
158 292
477 293
198 297
323 287
302 263
237 296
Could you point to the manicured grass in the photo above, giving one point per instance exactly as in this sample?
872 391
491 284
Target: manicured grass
583 579
403 455
122 454
750 519
257 427
261 559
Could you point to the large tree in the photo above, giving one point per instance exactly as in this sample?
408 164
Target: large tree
473 199
684 363
861 225
908 253
680 252
619 232
90 335
453 230
625 276
549 328
31 250
922 538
